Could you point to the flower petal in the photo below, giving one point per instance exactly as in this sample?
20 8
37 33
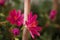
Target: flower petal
18 13
32 35
10 20
38 28
13 13
18 23
35 32
33 18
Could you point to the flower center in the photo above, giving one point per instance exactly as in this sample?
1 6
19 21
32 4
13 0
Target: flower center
15 17
33 24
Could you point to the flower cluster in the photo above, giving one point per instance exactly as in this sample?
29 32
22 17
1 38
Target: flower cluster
16 18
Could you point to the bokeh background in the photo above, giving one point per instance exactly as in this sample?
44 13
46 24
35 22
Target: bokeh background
51 30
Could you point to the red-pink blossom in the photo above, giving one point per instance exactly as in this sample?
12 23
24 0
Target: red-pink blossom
15 17
52 14
15 31
32 25
2 2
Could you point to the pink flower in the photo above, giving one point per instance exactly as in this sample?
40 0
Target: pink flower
32 25
15 31
2 2
52 14
15 17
